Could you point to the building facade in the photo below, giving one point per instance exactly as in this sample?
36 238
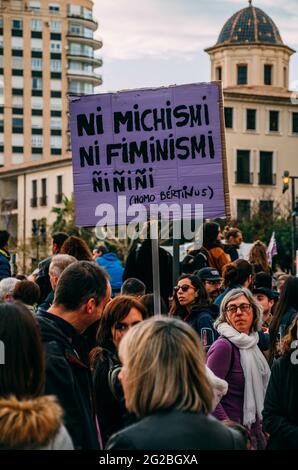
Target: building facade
47 51
261 115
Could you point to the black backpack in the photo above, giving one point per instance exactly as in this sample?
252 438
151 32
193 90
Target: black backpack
194 261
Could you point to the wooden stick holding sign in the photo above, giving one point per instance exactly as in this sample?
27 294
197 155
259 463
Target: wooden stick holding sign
155 266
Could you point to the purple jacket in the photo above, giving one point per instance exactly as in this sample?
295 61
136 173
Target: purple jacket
224 360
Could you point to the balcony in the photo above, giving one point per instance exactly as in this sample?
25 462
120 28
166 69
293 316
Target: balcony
33 202
93 77
243 177
43 200
85 58
95 43
267 180
88 22
58 198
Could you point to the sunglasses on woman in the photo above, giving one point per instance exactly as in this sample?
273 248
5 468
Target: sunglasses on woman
184 287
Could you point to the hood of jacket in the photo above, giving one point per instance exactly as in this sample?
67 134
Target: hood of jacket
110 257
212 310
30 423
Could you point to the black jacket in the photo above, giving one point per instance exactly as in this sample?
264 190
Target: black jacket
202 319
280 414
109 398
177 430
43 279
69 378
139 265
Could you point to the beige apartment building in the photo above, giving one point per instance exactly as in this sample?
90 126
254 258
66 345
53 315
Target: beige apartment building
47 51
261 113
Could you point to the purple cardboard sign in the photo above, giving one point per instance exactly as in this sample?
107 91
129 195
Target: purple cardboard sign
150 146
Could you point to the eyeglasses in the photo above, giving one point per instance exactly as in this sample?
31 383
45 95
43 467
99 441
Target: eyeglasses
244 308
184 287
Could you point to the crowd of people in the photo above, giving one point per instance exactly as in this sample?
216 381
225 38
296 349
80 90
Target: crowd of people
89 363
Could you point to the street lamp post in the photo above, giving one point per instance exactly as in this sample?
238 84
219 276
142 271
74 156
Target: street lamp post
294 212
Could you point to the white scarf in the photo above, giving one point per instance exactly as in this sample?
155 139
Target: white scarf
255 368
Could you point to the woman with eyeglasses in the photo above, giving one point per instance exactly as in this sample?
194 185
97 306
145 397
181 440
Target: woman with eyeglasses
119 316
192 304
236 358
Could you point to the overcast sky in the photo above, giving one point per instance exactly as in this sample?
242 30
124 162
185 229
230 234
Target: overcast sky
161 42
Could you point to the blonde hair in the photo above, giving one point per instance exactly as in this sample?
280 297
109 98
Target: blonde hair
164 368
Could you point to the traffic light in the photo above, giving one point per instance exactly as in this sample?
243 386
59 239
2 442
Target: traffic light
285 180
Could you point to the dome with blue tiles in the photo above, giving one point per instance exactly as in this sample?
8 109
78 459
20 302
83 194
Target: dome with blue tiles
249 26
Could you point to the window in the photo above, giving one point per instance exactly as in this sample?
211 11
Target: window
59 194
17 158
17 101
56 123
36 83
34 5
88 33
55 65
18 142
54 8
266 164
17 125
36 122
36 44
55 46
43 199
295 123
241 74
218 73
56 85
34 193
243 209
285 78
56 141
87 13
17 82
56 104
36 102
266 208
36 25
36 64
274 121
251 115
243 167
55 26
73 10
268 74
36 141
75 29
229 117
17 43
16 24
17 62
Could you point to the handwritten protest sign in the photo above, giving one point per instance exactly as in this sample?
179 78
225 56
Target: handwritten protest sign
149 146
